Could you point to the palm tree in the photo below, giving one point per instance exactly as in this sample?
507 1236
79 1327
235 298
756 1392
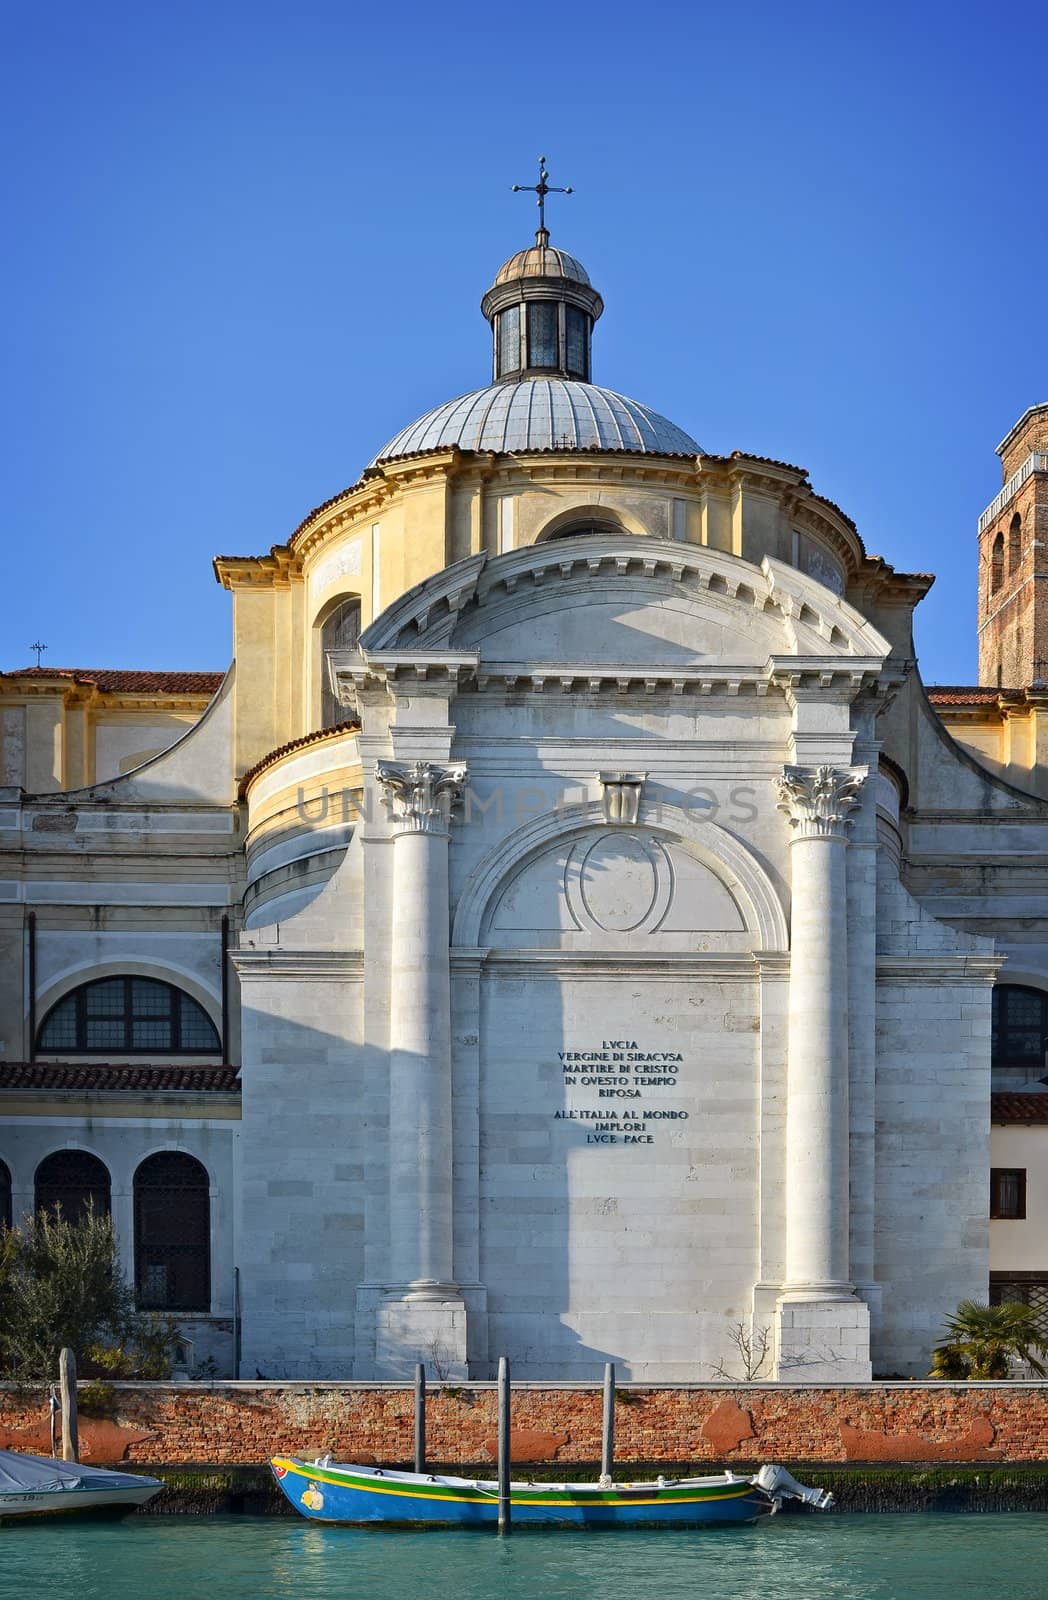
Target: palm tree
983 1342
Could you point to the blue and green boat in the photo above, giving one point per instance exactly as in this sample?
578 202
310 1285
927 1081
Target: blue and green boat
329 1491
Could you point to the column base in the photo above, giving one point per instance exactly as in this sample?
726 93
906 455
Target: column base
822 1339
424 1323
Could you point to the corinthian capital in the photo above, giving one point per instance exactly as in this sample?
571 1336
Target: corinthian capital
817 800
420 796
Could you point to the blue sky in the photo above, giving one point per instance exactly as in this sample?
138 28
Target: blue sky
246 243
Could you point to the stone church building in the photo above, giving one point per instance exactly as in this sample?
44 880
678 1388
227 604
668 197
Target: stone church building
569 930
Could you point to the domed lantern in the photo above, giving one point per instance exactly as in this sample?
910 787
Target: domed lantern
542 308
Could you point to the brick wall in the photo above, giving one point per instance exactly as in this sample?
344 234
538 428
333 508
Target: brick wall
1013 622
244 1423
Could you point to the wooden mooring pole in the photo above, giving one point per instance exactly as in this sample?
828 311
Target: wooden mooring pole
67 1387
505 1515
420 1418
607 1431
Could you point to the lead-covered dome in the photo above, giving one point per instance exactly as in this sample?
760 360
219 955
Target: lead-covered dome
541 414
542 260
542 308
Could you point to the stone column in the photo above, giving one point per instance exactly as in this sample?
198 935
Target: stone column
822 1329
423 1308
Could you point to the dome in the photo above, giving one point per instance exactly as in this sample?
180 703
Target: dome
541 414
542 260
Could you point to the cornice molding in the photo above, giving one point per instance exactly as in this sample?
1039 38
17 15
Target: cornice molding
275 963
939 969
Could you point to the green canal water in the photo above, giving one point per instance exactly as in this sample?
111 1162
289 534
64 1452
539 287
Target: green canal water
919 1557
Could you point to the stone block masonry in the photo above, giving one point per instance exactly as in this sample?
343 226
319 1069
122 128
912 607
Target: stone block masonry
717 1424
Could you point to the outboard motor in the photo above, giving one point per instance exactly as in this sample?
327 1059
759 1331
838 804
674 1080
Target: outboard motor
782 1485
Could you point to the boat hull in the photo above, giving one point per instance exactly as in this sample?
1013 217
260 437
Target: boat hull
330 1493
57 1502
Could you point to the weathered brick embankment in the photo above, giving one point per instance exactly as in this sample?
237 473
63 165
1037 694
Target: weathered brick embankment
992 1425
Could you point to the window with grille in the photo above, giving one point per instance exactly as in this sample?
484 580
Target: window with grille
341 631
1019 1033
509 341
1024 1289
1008 1192
542 334
73 1182
172 1234
576 341
5 1195
128 1016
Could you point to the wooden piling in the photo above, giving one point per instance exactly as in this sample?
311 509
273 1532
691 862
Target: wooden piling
607 1432
67 1387
505 1515
420 1418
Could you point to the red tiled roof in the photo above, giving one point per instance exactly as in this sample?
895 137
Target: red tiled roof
956 694
1019 1107
337 728
121 680
166 1076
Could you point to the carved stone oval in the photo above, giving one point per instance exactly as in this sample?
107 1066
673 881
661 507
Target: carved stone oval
619 881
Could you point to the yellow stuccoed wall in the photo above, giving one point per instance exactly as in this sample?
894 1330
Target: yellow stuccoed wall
409 519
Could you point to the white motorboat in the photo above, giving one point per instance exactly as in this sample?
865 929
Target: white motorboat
34 1486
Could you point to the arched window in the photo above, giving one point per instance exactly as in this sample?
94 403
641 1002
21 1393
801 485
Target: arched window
1020 1026
997 564
1015 543
341 631
74 1182
5 1195
577 530
128 1016
172 1234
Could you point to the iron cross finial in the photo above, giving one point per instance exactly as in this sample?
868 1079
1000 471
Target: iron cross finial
542 189
39 648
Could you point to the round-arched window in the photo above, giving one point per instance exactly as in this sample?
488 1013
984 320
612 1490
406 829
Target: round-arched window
340 631
172 1233
582 528
997 563
128 1016
1020 1026
73 1182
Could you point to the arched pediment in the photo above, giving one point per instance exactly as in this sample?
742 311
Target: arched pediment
570 869
629 599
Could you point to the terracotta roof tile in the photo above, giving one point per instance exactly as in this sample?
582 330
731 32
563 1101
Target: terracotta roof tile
351 726
955 694
1031 1106
121 680
100 1076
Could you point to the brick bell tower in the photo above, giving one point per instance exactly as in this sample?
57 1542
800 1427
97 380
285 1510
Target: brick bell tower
1013 562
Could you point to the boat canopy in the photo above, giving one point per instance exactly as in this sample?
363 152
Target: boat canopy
20 1474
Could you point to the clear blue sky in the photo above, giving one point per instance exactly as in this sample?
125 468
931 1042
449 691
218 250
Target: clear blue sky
245 243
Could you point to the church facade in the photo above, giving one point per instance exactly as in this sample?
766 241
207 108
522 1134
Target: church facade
571 930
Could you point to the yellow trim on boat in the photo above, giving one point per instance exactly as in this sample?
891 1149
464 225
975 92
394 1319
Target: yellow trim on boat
432 1492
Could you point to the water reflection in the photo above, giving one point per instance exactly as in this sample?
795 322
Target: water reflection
920 1557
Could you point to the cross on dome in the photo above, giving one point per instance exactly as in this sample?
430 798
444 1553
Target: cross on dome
542 189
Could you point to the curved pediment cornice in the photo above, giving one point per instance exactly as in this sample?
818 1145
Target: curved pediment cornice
787 612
